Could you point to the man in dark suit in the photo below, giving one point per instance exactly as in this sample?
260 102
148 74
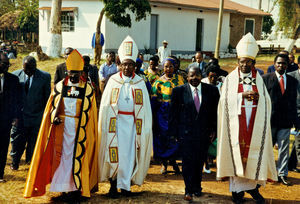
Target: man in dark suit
283 92
91 73
193 121
9 108
36 88
61 69
199 62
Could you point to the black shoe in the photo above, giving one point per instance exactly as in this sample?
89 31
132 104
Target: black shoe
295 170
188 197
283 180
198 194
259 199
126 193
113 191
238 198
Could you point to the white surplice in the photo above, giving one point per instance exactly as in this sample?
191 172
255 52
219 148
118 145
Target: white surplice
126 136
63 179
260 164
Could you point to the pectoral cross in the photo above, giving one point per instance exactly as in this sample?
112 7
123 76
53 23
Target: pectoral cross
127 99
243 143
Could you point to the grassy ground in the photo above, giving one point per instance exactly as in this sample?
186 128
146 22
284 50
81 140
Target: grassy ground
157 188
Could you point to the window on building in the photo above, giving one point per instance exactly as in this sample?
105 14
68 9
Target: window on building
249 26
67 21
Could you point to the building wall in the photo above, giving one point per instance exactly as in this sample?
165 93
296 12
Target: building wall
178 27
85 24
237 26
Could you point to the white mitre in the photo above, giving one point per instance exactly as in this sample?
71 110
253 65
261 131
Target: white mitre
247 47
128 49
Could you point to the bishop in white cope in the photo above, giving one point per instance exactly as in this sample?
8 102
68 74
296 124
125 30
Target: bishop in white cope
125 126
245 152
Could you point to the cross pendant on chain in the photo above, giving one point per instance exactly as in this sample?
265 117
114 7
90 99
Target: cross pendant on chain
127 99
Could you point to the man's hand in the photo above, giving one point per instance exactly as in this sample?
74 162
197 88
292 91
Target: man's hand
57 121
251 95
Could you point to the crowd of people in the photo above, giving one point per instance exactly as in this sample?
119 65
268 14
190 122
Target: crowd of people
103 125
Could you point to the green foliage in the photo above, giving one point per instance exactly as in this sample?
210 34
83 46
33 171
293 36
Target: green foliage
268 23
7 6
28 19
289 16
117 11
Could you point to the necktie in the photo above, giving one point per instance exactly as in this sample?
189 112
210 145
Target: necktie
196 100
27 85
281 83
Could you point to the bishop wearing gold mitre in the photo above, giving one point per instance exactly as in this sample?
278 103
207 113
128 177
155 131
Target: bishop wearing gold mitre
245 152
65 155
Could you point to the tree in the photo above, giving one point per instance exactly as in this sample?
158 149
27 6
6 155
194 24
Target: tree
29 18
55 42
6 6
289 20
268 23
117 12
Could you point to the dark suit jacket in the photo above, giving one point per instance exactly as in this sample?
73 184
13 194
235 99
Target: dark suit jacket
10 99
296 75
195 64
185 123
284 112
60 73
35 101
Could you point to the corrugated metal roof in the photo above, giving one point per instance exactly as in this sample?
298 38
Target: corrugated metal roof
229 6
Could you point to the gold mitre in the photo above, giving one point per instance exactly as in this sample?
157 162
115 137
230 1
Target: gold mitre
247 47
75 61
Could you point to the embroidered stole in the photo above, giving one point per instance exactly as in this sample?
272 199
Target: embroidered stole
245 133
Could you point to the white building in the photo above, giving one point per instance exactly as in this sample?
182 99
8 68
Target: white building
187 25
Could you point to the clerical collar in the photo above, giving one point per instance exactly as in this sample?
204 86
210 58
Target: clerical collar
126 78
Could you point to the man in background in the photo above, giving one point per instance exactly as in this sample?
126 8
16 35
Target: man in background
61 69
163 51
199 62
107 69
35 88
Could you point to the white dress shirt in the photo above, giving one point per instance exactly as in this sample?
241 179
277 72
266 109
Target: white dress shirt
284 78
199 92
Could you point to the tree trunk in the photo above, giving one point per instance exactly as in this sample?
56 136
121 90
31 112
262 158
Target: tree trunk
289 46
98 47
55 41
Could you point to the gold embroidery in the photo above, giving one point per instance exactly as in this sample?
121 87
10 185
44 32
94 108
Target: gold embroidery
112 125
113 154
138 96
128 48
139 124
114 95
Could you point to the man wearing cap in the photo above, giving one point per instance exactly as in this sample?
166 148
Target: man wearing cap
66 151
125 126
163 51
245 152
283 92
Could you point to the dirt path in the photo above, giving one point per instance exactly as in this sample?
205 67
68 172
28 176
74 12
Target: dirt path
156 189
